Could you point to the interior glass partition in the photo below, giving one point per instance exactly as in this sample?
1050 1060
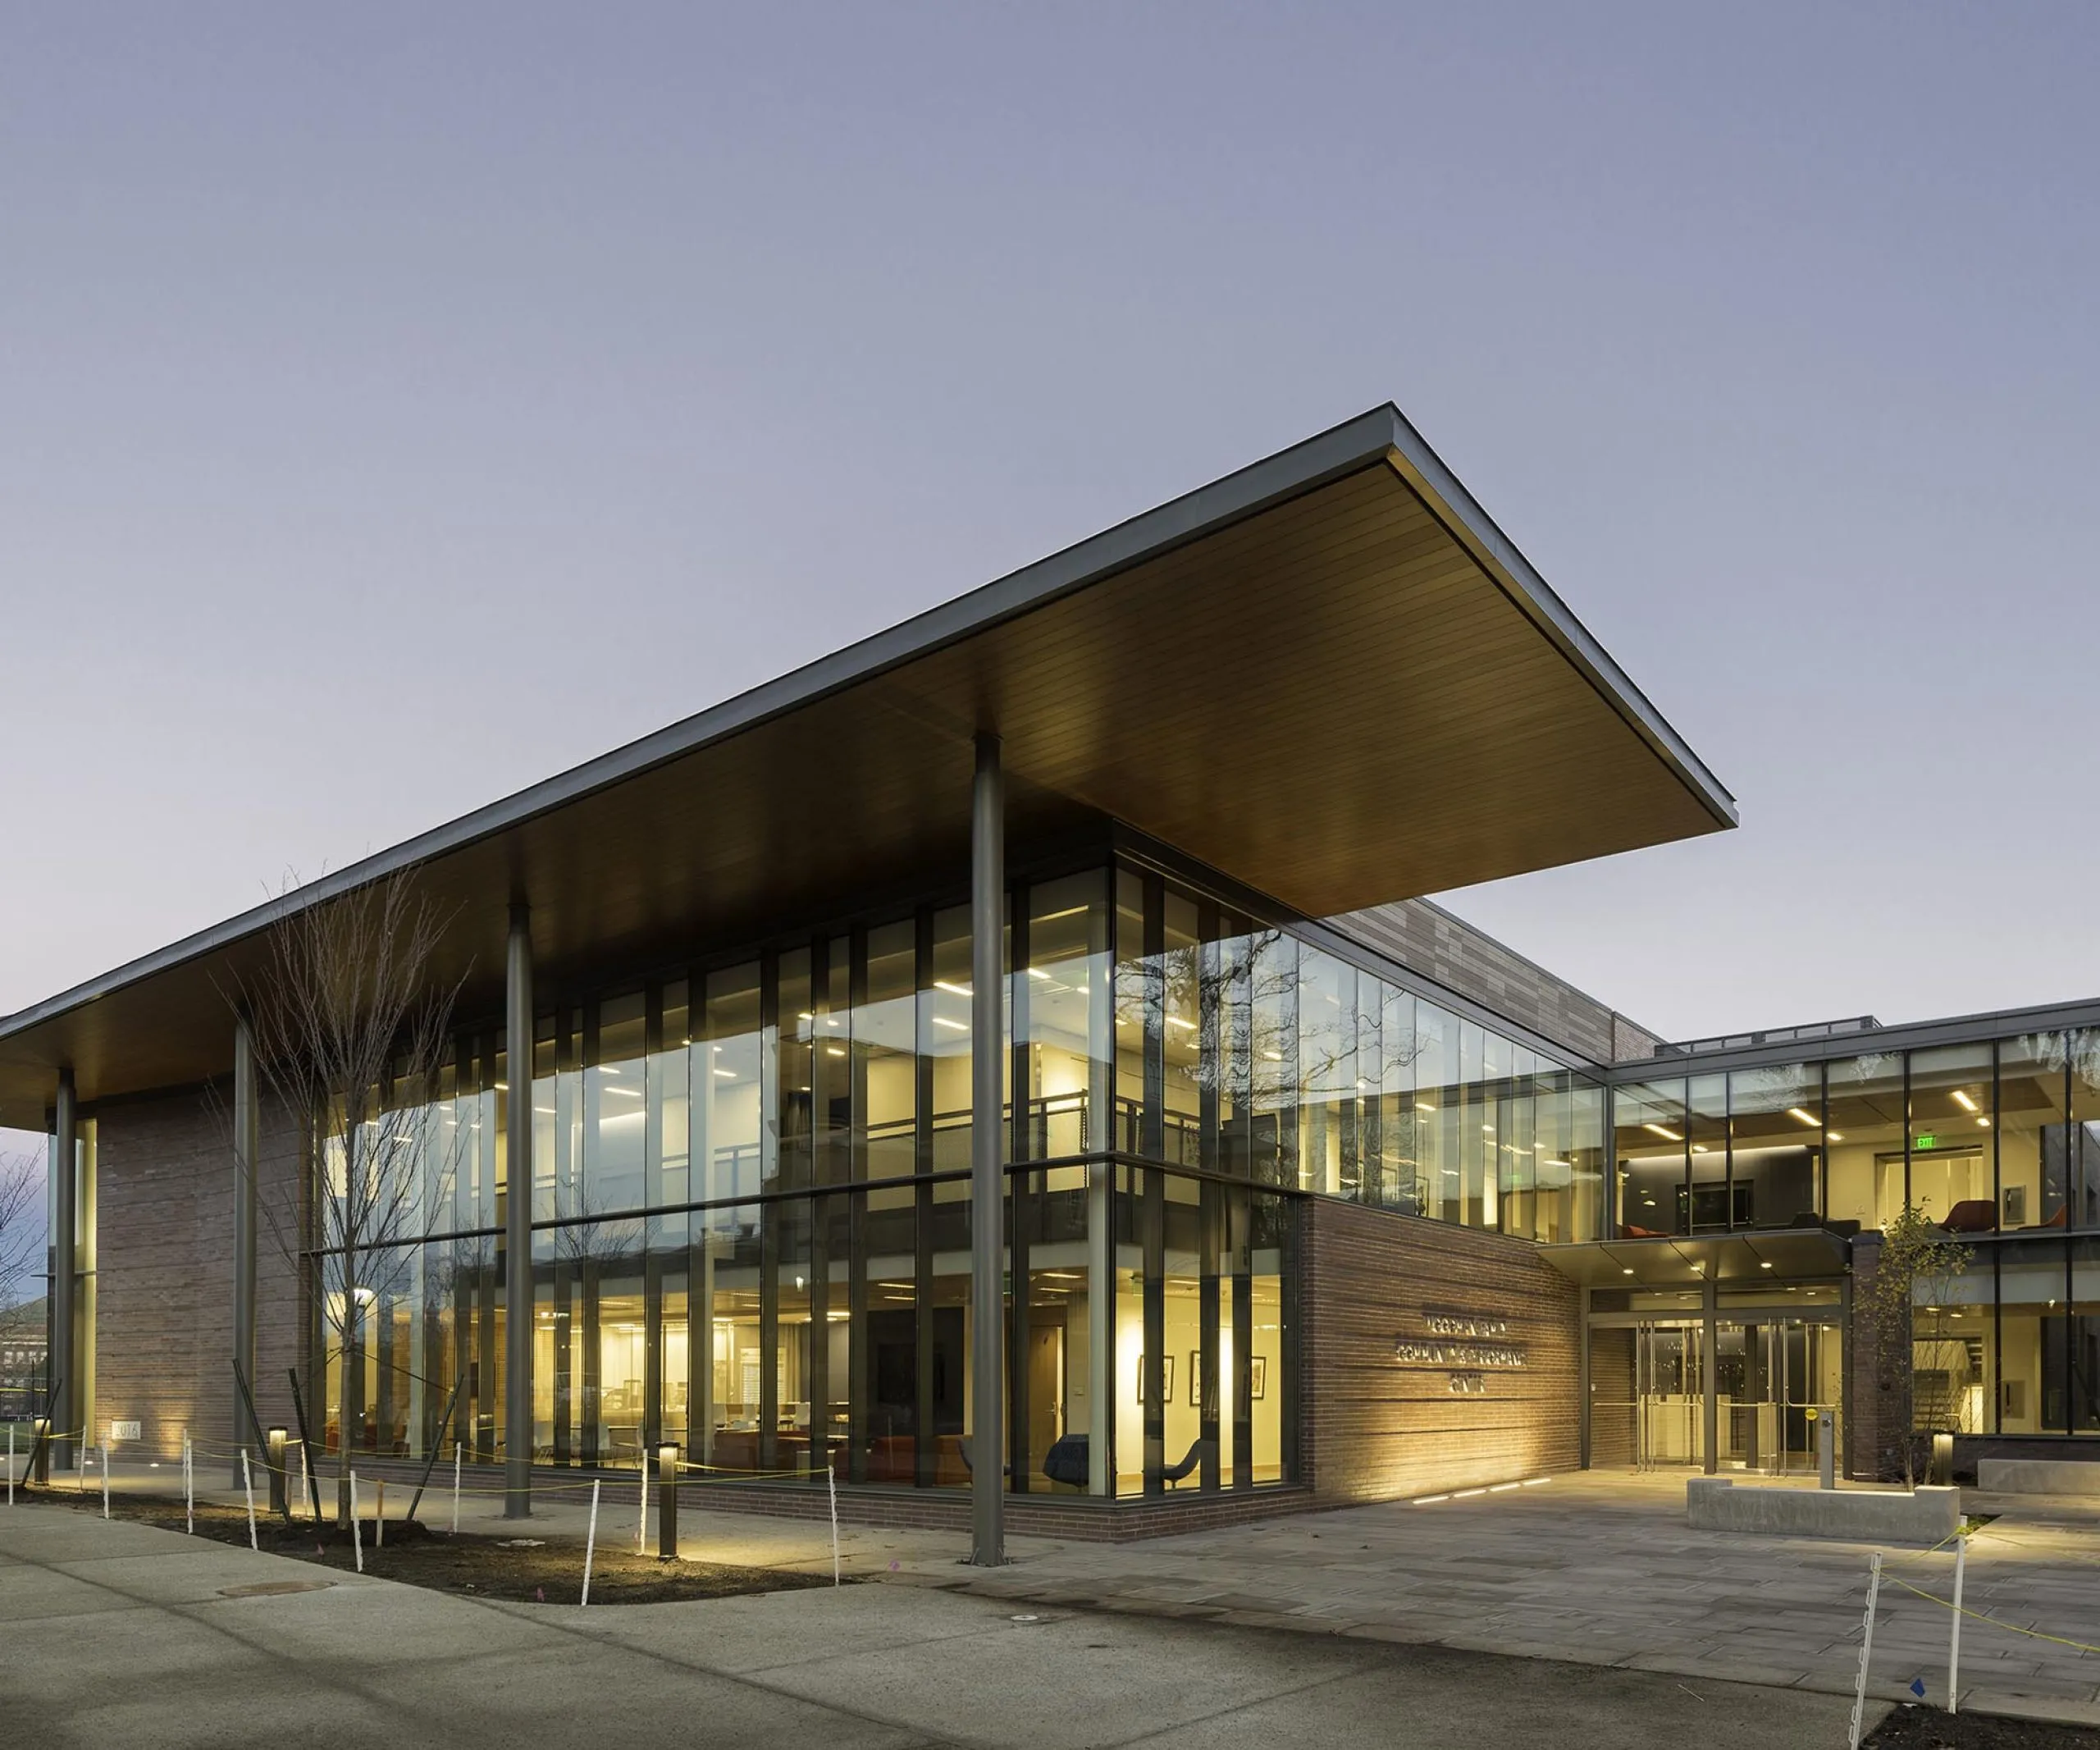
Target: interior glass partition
1953 1148
1866 1127
2035 1157
1776 1143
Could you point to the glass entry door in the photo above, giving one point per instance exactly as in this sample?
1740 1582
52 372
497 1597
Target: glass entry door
1772 1378
1647 1393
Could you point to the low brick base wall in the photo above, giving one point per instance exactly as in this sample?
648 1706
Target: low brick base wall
1073 1518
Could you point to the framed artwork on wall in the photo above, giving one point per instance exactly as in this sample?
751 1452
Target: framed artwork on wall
1257 1368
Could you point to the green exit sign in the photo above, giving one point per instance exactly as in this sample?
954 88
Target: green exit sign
1929 1141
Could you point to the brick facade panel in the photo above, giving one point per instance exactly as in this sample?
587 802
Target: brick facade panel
164 1250
1376 1425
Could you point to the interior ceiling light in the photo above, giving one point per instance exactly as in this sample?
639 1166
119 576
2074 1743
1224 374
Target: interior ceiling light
1664 1131
1764 1264
1627 1270
1965 1103
1982 1124
959 1026
942 983
1423 1106
1813 1123
1835 1135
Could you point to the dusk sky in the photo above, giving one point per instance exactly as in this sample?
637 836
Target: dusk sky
404 404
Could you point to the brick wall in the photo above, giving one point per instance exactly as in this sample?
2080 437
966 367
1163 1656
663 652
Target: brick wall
164 1275
1878 1416
1375 1426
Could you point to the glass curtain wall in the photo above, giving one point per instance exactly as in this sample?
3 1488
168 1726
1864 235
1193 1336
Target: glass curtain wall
751 1207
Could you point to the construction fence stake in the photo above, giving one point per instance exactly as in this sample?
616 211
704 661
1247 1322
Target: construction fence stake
589 1545
357 1536
248 1483
105 1479
10 1464
1866 1649
459 1447
189 1488
1954 1637
641 1525
831 1484
379 1517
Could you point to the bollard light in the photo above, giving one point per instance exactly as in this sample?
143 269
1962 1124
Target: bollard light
40 1451
1942 1469
276 1441
667 1500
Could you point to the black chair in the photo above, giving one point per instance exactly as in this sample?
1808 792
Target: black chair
1175 1474
1067 1461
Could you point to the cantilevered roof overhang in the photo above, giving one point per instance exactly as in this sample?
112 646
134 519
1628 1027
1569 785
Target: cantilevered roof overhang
1778 1254
1329 675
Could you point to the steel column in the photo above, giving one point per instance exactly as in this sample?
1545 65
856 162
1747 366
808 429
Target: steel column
987 1187
1101 1195
518 1221
65 1363
247 1132
1710 1335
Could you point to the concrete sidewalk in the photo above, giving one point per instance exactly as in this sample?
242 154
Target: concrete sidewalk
1605 1570
119 1634
1595 1568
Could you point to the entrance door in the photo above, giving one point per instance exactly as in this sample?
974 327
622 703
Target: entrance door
1648 1394
1671 1366
1772 1378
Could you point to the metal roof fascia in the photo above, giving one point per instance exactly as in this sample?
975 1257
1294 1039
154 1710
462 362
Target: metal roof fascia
1426 471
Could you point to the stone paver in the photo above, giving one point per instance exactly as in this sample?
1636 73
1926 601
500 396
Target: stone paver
170 1656
1603 1568
1595 1568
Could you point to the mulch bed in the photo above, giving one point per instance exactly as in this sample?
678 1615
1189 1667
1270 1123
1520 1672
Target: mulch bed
523 1569
1928 1729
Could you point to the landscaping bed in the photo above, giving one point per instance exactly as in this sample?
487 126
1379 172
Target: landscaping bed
524 1568
1928 1729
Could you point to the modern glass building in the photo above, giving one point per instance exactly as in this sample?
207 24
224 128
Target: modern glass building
1088 899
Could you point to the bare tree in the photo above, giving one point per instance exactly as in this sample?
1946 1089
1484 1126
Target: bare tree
21 1262
352 1031
21 1225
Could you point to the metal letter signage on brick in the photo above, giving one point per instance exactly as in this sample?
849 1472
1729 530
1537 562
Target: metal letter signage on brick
1466 1344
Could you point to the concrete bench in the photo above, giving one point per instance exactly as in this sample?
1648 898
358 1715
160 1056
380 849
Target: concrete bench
2038 1476
1928 1516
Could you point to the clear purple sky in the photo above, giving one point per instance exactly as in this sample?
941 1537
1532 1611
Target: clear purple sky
402 403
